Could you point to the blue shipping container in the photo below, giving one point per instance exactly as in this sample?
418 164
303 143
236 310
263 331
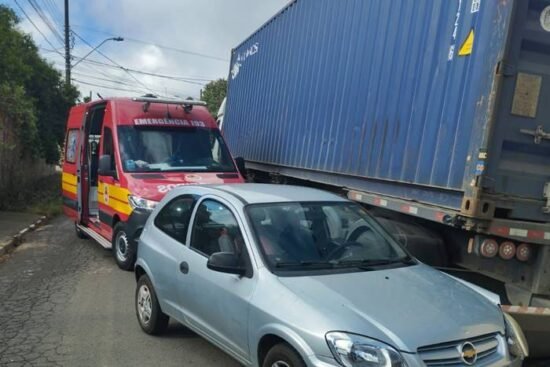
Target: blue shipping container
435 101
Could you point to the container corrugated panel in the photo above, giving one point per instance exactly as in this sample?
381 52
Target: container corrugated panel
397 92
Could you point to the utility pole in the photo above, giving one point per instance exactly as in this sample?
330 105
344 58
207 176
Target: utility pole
67 46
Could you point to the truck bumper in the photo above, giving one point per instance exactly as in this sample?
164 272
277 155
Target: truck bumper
136 222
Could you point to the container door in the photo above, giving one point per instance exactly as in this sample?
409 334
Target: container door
520 156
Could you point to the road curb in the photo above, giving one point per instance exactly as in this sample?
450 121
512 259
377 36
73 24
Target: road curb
19 237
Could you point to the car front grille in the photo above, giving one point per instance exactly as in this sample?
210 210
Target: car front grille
449 354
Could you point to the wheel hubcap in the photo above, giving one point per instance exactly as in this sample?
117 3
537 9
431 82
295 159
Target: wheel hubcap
122 246
280 364
144 305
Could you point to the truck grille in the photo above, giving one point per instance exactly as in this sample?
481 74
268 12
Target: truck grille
449 354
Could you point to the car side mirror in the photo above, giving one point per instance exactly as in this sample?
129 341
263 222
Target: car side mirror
105 168
226 262
241 166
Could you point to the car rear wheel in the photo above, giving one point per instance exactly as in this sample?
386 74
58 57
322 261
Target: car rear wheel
282 355
150 317
124 249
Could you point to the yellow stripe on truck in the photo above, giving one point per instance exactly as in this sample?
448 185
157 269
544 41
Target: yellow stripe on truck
115 197
69 182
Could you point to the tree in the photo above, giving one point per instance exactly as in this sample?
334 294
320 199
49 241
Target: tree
214 93
26 75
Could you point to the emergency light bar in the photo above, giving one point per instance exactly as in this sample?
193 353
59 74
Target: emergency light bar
186 104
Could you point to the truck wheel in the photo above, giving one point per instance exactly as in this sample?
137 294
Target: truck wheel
282 355
80 233
150 317
124 249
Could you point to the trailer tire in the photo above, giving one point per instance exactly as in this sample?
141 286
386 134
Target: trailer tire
124 248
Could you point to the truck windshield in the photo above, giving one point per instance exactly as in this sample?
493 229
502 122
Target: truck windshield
309 236
153 149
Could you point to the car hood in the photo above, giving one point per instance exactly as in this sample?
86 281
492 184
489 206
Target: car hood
407 307
154 186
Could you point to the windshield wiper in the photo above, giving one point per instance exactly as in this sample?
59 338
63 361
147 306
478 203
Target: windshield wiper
371 263
304 264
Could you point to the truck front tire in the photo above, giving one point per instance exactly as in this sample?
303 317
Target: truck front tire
124 248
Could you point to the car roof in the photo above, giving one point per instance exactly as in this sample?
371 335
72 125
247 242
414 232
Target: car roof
249 193
268 193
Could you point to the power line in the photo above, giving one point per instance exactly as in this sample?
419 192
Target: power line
105 86
190 80
114 62
45 19
38 29
136 40
54 12
172 92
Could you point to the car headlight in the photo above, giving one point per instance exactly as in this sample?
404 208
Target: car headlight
517 344
352 350
140 203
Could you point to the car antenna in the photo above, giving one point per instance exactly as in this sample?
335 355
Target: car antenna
99 95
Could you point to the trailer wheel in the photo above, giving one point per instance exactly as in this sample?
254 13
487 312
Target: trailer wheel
79 233
124 249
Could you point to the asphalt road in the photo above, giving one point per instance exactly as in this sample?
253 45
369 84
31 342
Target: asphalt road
64 302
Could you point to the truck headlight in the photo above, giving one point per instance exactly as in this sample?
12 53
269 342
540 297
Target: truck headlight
517 344
352 350
140 203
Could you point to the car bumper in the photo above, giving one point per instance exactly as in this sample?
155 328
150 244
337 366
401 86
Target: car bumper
412 360
136 222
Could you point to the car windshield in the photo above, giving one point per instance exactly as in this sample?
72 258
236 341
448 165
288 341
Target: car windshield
330 236
190 149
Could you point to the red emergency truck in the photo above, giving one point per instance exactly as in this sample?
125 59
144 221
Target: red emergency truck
123 155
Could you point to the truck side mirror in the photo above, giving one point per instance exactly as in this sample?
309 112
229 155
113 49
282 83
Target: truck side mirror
105 167
240 166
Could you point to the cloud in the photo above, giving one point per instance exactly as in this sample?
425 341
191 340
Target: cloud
207 27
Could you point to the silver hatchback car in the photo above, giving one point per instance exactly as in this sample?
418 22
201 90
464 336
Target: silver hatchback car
285 276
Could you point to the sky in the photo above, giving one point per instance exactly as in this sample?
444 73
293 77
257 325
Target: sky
188 42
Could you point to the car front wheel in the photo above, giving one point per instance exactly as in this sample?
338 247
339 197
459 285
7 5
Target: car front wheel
124 249
150 317
282 355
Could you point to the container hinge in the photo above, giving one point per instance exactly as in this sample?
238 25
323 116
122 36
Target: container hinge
506 69
546 195
539 134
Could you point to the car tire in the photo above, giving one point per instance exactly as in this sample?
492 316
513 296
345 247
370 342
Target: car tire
79 233
150 317
124 249
282 355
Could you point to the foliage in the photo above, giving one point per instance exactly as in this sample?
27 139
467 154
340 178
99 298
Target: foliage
18 117
214 93
33 87
38 197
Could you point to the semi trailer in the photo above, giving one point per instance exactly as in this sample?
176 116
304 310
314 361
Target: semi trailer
433 113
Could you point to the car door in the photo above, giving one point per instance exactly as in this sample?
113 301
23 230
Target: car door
217 303
164 247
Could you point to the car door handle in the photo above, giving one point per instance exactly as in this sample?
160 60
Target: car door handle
184 267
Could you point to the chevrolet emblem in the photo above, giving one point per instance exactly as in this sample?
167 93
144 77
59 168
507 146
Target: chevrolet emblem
468 353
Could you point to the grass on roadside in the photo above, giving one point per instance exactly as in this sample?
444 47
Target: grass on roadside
41 197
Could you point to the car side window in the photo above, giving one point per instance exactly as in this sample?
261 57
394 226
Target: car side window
174 218
216 230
